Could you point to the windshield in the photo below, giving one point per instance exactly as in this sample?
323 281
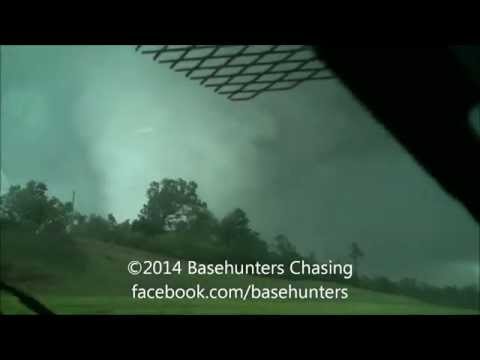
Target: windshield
109 155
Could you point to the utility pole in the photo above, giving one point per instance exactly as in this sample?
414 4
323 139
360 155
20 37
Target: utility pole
71 215
73 201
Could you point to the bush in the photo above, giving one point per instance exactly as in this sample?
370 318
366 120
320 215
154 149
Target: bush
47 250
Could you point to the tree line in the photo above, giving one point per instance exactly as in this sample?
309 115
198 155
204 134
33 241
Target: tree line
176 222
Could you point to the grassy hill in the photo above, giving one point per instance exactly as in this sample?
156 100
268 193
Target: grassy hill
90 277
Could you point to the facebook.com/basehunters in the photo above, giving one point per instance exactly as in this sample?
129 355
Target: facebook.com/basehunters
199 290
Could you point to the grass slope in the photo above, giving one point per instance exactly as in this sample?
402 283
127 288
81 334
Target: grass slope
89 277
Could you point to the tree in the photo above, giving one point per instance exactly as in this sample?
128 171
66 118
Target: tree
355 254
28 204
96 225
285 249
111 219
311 258
244 244
31 208
204 226
171 201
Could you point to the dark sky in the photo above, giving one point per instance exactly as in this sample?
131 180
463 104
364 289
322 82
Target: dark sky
310 163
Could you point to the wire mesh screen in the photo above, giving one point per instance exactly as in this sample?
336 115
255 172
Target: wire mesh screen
242 72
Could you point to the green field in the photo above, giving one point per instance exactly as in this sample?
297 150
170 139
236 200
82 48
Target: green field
90 277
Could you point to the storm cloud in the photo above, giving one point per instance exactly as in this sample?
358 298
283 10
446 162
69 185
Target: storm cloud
310 163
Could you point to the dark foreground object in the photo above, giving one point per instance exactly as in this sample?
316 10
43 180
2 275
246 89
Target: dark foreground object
423 97
26 300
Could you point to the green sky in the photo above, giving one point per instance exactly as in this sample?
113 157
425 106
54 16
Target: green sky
310 163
